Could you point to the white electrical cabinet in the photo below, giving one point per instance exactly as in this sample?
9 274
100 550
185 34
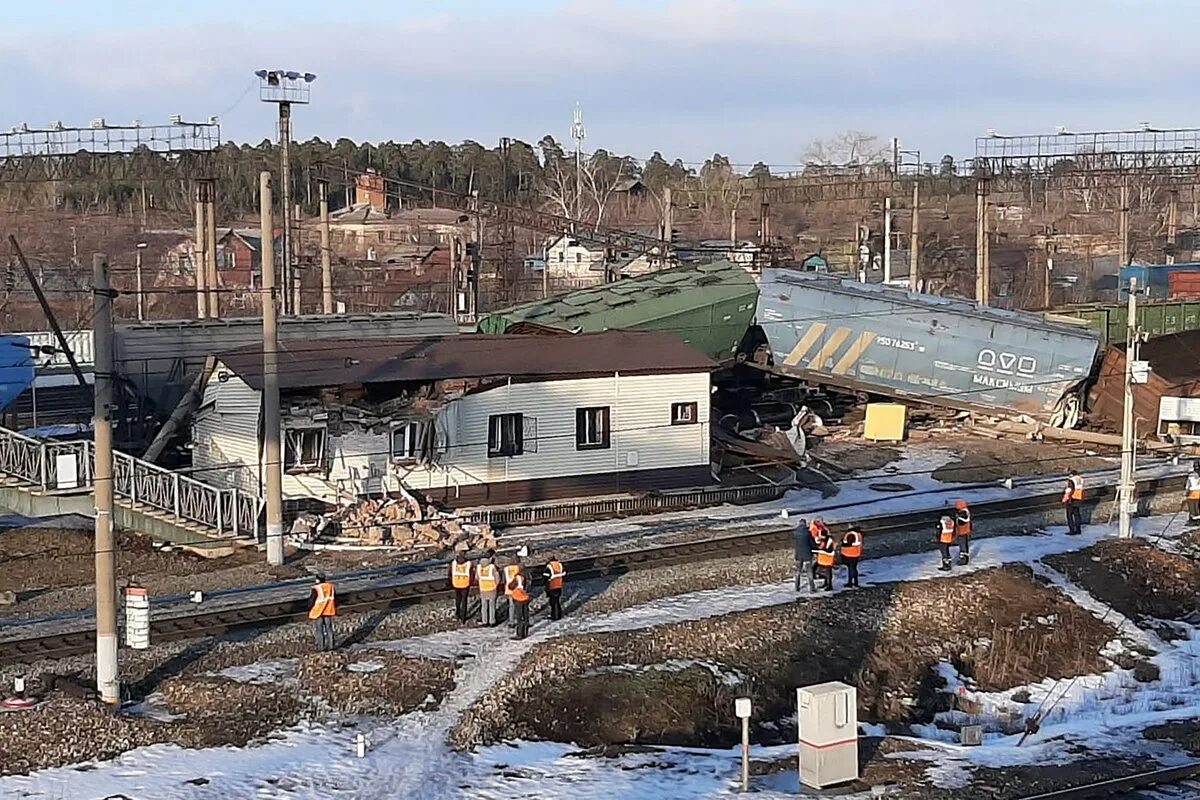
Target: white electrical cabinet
827 716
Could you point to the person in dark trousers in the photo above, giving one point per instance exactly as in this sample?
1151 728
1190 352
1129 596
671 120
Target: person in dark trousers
818 531
1072 498
487 576
945 538
852 550
803 543
554 574
321 610
826 560
510 571
460 581
963 528
519 595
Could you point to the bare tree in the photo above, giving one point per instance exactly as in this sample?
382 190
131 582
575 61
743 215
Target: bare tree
847 147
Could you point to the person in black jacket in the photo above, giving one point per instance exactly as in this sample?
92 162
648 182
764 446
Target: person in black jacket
802 542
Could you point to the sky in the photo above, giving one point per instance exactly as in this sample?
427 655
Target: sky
756 80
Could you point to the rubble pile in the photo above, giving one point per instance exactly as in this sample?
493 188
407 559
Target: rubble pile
369 682
213 710
400 522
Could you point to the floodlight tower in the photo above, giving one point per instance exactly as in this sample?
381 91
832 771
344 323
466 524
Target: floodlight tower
285 87
578 134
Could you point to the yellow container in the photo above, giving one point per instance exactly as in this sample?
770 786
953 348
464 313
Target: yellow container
885 422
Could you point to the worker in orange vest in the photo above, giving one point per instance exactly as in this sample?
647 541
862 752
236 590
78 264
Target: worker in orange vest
818 531
511 569
963 528
321 611
1193 493
554 573
852 550
1073 499
518 594
945 538
826 560
460 581
488 577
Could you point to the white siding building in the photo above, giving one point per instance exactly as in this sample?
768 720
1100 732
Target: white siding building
468 419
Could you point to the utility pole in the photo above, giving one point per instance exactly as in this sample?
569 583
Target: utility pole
1125 492
199 262
326 256
475 268
733 228
297 306
668 222
887 239
1124 221
210 248
272 458
107 681
982 266
1172 227
1051 250
141 298
285 179
914 244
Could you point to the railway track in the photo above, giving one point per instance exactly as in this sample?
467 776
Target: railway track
1171 783
430 585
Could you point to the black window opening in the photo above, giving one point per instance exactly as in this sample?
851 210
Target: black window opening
684 413
592 428
406 441
304 449
506 435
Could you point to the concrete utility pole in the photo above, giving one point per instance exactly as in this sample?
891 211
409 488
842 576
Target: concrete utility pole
1172 227
475 266
272 458
983 276
326 255
199 262
141 298
285 178
733 227
914 244
210 249
668 219
1124 222
1051 250
887 239
1133 341
107 681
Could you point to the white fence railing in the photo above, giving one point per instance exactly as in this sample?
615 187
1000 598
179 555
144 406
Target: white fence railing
51 466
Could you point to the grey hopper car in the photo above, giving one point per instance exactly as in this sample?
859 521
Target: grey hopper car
886 341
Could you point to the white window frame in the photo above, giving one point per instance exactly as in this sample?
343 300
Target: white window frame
686 413
410 434
293 446
595 431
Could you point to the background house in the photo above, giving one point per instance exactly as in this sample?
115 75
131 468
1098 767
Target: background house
467 419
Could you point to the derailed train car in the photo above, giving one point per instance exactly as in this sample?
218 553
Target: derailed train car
884 341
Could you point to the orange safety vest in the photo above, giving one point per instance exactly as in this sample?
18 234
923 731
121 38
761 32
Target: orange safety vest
825 555
1074 490
1193 486
460 574
516 589
557 573
946 531
962 522
489 577
816 530
852 544
324 605
510 572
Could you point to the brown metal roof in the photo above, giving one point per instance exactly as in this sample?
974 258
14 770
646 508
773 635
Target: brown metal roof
336 362
1175 357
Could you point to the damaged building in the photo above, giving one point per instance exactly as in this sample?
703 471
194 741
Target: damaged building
465 420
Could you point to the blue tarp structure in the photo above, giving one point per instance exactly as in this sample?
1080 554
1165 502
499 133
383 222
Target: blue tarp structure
16 368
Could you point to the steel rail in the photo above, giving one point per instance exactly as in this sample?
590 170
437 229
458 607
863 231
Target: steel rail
1121 787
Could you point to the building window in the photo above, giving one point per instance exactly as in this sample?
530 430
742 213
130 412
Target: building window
506 435
304 449
562 256
406 441
591 428
683 414
578 257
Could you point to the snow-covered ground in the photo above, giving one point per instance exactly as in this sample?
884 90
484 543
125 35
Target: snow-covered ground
409 757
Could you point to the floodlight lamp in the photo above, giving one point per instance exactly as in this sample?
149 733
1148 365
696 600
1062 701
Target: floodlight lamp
272 78
98 123
176 119
309 77
261 73
292 75
56 125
